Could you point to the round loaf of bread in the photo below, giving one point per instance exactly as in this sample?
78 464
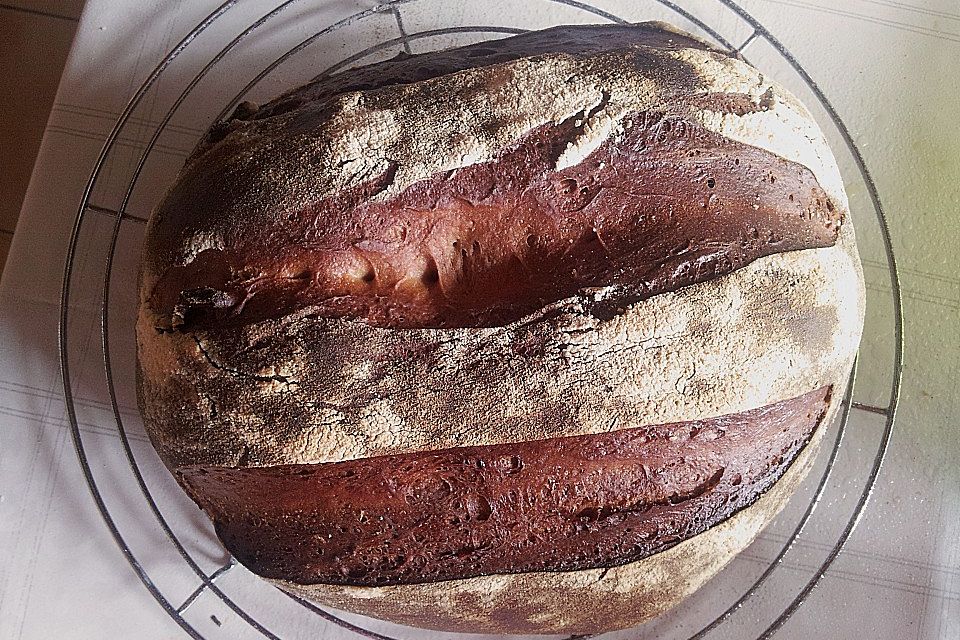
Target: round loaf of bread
529 336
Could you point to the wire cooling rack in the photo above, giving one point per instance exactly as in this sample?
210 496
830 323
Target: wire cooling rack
188 582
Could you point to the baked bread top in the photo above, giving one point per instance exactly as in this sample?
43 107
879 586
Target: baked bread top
582 298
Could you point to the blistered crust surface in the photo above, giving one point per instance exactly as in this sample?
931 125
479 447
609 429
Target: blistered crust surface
304 389
662 204
561 504
587 601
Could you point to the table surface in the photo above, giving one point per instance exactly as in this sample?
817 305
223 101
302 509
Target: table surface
890 69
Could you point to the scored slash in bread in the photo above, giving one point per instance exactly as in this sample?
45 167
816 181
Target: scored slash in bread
472 267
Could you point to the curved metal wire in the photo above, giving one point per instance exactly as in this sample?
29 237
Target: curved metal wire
303 44
64 308
801 525
392 42
891 410
695 20
207 581
340 622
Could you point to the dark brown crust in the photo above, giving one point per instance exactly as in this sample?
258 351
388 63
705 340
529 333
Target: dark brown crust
560 504
577 41
664 205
